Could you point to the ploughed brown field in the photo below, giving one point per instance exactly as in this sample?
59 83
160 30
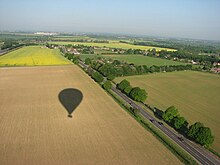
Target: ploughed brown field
35 129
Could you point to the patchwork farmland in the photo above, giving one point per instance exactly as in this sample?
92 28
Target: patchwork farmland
144 60
195 94
136 59
113 44
35 129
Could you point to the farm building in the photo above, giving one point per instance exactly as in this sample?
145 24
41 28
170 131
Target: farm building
215 70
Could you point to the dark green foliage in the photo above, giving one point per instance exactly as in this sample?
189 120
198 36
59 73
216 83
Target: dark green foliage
7 44
201 134
170 114
76 61
97 77
10 44
118 68
116 62
111 77
107 70
127 90
204 136
180 123
194 129
123 84
71 57
138 94
88 61
107 85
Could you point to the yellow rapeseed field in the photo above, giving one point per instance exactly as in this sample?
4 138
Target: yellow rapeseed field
33 56
114 44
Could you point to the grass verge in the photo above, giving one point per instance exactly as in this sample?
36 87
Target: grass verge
174 148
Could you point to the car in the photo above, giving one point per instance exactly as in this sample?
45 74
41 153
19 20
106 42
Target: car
152 120
160 123
181 138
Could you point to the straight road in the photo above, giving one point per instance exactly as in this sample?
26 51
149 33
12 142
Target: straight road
200 154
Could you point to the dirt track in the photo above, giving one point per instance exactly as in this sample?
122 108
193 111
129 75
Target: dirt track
35 129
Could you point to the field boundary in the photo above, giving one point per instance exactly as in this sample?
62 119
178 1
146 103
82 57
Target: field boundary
171 146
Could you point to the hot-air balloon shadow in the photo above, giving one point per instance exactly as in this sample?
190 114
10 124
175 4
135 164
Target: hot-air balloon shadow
70 98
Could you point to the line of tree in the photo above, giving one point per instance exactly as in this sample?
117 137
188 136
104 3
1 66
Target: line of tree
118 68
181 54
197 132
73 58
10 44
107 85
135 93
97 77
82 40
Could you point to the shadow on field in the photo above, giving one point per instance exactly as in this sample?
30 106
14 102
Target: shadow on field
70 98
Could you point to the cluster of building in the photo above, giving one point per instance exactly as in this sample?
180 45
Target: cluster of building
46 33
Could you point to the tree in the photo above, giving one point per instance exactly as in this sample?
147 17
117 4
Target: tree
138 94
107 85
7 44
123 84
88 61
194 129
97 77
76 61
170 113
111 77
180 122
127 90
204 136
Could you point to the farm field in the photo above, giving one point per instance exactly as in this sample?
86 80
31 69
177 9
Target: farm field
195 94
138 59
33 56
114 44
144 60
35 129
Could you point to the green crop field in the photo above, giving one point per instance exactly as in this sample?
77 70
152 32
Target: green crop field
138 59
33 56
144 60
114 44
195 94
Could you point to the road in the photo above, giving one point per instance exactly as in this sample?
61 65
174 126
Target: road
200 154
5 51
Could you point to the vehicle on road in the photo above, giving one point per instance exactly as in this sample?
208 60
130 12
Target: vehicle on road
152 120
160 123
181 138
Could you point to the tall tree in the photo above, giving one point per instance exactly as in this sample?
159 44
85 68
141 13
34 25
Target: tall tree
180 122
138 94
204 136
194 129
123 84
170 113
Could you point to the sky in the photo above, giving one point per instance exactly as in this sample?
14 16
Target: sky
198 19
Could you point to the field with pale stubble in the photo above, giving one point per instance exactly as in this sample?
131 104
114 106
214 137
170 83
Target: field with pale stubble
35 129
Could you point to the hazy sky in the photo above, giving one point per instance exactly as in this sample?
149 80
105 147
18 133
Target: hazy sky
171 18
